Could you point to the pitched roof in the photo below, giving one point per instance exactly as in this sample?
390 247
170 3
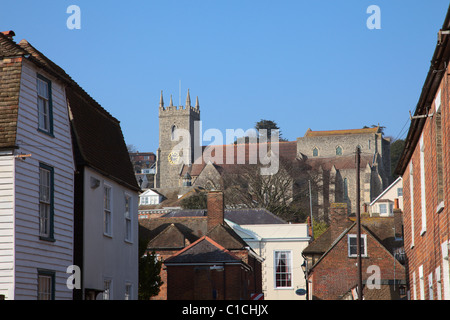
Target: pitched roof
381 228
165 232
98 139
239 216
339 162
204 250
310 133
243 152
10 72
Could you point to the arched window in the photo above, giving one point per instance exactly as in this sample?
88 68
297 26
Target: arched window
339 151
315 152
345 189
172 132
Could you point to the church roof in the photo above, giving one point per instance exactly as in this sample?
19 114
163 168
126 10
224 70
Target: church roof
217 155
310 133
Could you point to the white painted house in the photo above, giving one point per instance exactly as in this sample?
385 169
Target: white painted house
68 195
36 178
384 204
281 246
150 196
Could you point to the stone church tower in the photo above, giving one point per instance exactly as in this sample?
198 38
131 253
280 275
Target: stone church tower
169 162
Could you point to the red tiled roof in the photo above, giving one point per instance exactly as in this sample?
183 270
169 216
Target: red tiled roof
10 72
310 133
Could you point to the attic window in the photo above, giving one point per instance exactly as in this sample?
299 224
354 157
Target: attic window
352 247
44 103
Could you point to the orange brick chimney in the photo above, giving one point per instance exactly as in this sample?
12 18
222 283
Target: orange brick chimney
215 206
338 219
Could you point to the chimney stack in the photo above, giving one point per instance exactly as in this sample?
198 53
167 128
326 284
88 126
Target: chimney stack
215 206
10 34
338 219
398 222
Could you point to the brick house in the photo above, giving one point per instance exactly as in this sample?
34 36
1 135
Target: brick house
195 248
331 258
424 166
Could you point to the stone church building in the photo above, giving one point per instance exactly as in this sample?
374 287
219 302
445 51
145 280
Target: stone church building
330 154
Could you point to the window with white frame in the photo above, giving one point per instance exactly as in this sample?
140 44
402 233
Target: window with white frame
45 201
383 208
411 198
421 283
283 269
107 218
422 186
44 105
438 283
353 247
127 217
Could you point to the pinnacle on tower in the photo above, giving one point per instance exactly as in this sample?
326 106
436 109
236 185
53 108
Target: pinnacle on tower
197 105
188 100
161 101
171 102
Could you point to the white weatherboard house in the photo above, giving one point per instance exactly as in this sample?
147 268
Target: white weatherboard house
68 195
384 204
281 246
36 178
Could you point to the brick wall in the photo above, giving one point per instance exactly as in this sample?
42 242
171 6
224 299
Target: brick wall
424 249
337 273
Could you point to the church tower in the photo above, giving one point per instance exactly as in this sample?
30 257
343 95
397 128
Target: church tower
169 161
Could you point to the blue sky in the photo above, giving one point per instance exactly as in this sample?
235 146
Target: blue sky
302 64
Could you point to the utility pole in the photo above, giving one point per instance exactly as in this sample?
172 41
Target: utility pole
310 210
358 224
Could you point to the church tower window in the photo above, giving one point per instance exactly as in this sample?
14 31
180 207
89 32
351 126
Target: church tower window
339 151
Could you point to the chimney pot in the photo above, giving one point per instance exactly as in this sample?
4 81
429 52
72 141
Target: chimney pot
10 34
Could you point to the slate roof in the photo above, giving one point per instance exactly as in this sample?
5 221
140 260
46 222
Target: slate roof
204 250
286 149
238 216
341 162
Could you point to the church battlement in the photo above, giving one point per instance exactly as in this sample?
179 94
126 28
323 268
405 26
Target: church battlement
171 109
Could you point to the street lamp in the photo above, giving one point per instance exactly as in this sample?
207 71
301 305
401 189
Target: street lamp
305 271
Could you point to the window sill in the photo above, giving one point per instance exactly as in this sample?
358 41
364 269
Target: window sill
283 288
48 239
50 134
440 207
107 235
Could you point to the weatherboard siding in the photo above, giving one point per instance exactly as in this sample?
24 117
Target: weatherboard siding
32 253
7 225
